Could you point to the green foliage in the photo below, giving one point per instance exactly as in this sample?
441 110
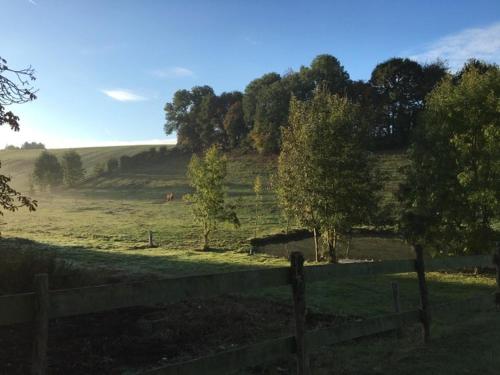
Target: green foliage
270 116
391 101
15 88
207 176
326 178
33 146
451 193
234 125
197 116
327 72
72 168
11 199
47 172
401 85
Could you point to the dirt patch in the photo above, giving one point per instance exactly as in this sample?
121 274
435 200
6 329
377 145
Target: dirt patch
138 338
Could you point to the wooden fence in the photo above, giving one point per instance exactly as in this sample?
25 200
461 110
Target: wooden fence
41 305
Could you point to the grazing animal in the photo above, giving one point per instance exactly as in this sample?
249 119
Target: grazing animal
169 197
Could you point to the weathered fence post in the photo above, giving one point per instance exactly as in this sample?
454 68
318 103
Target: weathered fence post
397 303
39 360
150 239
425 317
496 261
299 307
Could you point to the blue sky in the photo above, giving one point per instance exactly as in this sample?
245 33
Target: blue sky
106 68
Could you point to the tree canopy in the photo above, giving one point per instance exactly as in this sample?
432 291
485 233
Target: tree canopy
391 101
326 177
47 171
15 88
72 168
451 194
208 201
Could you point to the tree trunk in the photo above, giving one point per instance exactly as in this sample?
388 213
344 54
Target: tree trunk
206 232
348 246
316 245
332 246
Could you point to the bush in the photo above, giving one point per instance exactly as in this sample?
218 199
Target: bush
47 171
112 165
73 171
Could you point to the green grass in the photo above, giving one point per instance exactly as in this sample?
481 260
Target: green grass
103 226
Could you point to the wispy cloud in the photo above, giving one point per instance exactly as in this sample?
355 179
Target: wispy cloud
33 2
173 72
251 41
481 43
124 95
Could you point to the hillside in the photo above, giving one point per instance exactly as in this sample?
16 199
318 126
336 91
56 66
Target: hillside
112 213
19 163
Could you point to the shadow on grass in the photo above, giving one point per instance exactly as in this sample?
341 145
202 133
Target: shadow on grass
362 296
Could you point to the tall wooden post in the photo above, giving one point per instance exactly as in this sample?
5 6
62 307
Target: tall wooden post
425 317
150 239
496 261
396 303
299 307
39 360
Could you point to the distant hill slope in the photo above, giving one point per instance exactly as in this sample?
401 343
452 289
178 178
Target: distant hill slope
19 163
170 174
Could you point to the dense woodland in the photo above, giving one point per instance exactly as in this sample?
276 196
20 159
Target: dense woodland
391 101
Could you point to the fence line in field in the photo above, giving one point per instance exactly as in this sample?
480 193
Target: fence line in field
42 305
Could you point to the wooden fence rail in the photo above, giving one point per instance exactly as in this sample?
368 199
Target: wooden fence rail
43 305
276 349
19 308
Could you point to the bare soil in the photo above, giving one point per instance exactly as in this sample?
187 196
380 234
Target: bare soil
144 337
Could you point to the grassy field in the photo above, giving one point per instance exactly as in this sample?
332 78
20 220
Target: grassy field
102 226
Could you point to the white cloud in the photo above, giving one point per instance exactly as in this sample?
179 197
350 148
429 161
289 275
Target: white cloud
481 43
123 95
173 72
33 2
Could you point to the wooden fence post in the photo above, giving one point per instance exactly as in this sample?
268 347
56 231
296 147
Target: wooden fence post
496 261
39 360
425 317
299 307
397 303
150 239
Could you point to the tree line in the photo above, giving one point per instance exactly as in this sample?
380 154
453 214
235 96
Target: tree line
328 181
391 101
27 146
49 172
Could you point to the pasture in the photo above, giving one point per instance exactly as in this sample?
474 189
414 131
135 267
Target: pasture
102 228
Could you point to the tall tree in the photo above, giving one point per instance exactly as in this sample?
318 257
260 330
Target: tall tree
187 115
72 168
327 72
252 94
208 201
451 194
15 88
402 85
47 171
234 125
326 177
271 114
